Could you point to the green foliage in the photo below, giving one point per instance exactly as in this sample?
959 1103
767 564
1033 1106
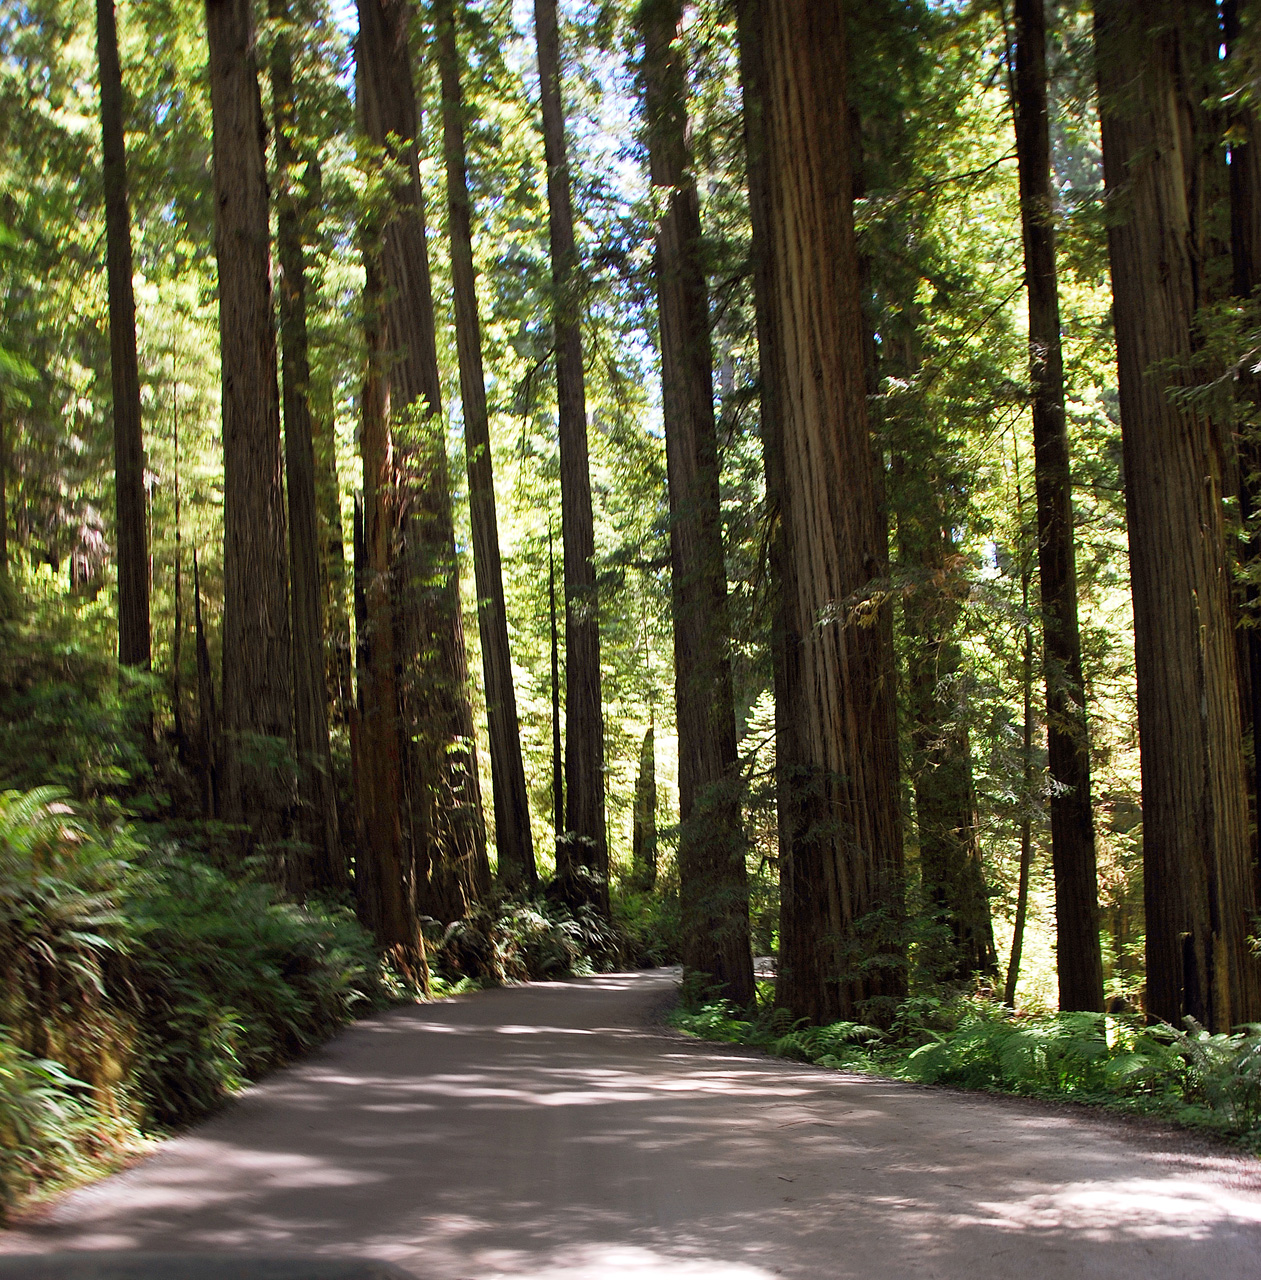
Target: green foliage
1191 1076
141 987
516 940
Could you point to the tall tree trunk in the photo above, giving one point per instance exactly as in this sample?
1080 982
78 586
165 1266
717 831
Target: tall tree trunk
440 786
1078 960
585 842
512 804
318 823
841 842
644 825
1245 239
384 885
133 552
713 880
177 622
257 684
558 756
1197 874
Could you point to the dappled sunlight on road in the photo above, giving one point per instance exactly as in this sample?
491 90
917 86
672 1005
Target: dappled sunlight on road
548 1131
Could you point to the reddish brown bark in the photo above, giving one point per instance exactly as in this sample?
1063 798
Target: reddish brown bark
713 882
257 783
1196 855
836 743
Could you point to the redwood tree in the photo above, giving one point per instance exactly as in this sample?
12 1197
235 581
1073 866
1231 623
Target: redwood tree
257 689
1196 858
1078 960
441 798
129 459
836 740
584 843
319 826
713 884
512 804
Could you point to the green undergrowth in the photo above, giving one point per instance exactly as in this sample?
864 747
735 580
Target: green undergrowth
1188 1076
140 987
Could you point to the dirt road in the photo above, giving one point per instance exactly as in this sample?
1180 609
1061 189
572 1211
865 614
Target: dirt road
552 1131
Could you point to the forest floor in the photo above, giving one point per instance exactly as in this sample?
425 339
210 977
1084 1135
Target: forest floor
560 1130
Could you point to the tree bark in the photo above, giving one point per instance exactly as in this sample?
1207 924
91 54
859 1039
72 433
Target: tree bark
1245 239
1078 960
257 686
207 714
585 843
512 805
713 880
1196 864
384 886
318 822
841 950
129 460
1026 815
440 787
644 826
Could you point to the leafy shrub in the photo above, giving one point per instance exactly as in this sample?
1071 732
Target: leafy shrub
1188 1075
140 987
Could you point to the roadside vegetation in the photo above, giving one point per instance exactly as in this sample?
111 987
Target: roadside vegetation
1189 1075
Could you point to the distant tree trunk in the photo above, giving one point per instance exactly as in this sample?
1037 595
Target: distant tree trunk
1026 813
558 757
713 880
129 490
585 843
512 803
177 622
644 828
318 823
836 747
440 786
1078 960
1197 875
945 797
4 490
257 685
207 715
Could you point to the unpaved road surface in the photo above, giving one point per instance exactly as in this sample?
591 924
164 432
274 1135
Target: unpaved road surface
554 1131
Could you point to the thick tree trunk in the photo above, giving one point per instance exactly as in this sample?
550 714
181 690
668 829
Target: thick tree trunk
1245 239
440 787
257 688
713 881
1078 960
1197 874
129 490
841 841
585 843
318 824
644 825
512 804
384 886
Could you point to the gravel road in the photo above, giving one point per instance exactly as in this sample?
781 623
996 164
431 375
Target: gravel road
557 1130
